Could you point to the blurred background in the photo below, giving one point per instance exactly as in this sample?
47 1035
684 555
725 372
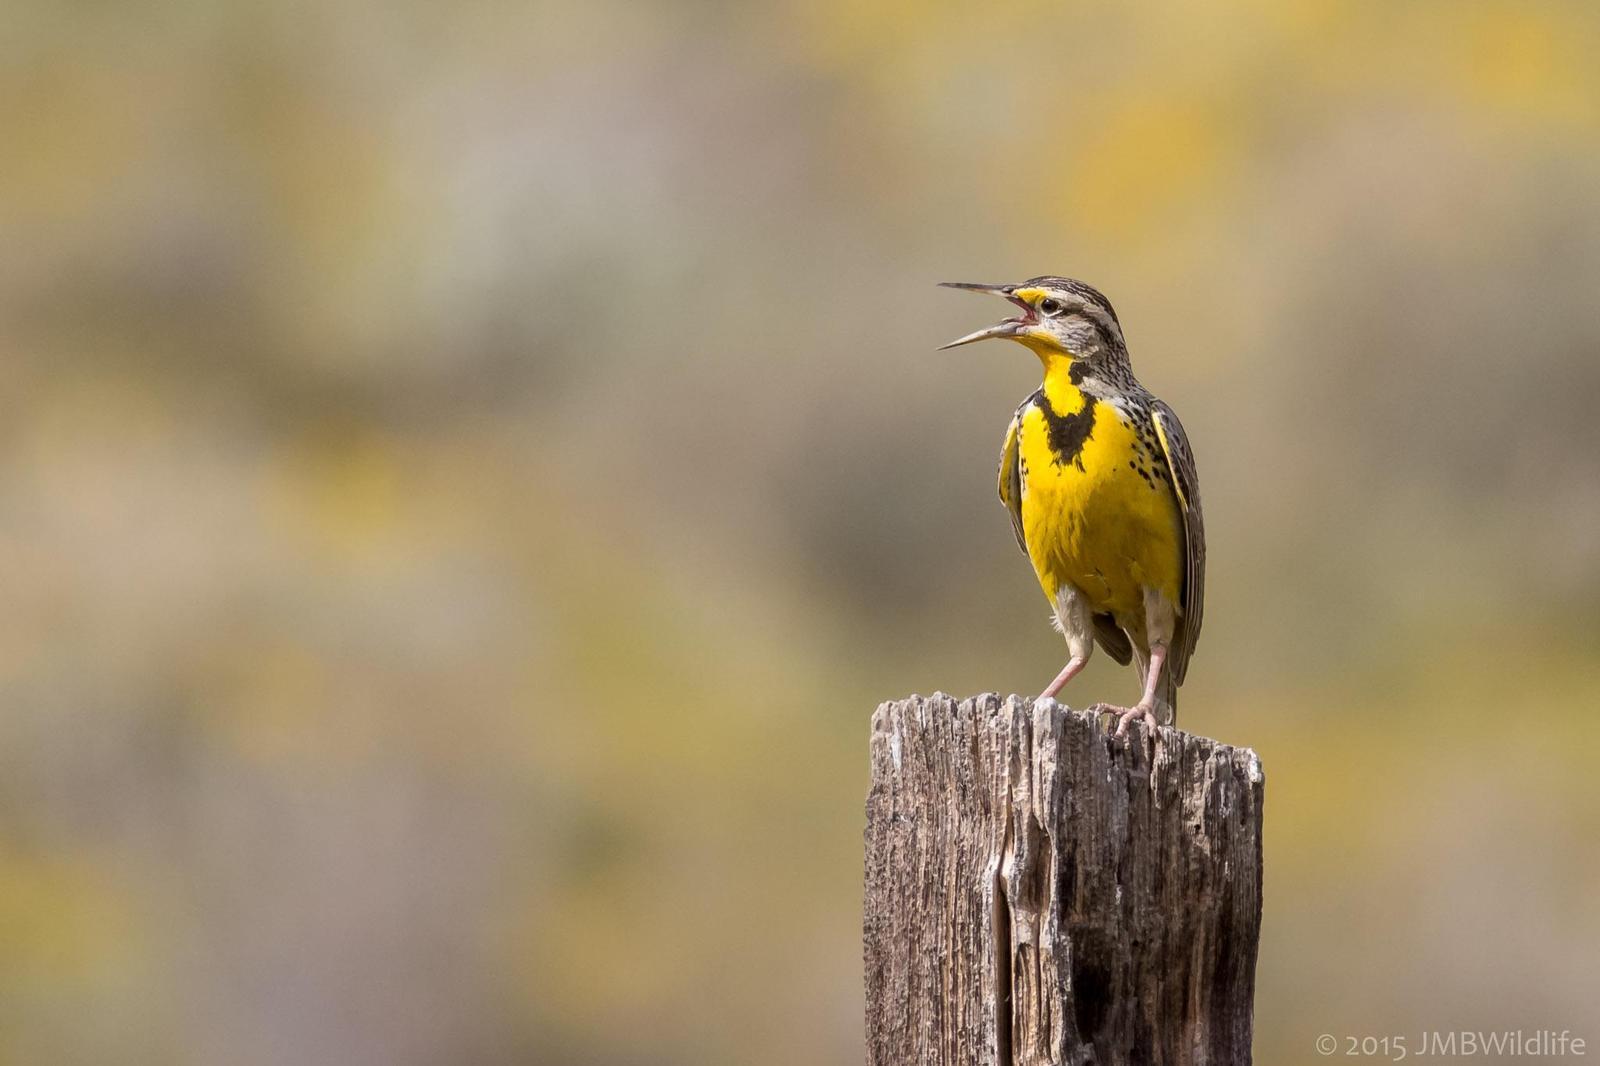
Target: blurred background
468 473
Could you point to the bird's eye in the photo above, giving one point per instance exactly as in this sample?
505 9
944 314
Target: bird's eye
1050 307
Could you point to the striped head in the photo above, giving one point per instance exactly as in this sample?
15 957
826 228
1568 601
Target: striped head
1060 317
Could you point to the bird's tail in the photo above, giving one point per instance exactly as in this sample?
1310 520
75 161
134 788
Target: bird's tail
1167 699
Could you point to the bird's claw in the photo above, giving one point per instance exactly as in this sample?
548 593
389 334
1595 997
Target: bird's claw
1133 713
1125 715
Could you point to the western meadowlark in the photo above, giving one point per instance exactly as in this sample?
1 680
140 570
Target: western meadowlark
1100 482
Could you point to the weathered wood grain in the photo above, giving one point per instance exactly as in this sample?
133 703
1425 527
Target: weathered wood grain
1038 891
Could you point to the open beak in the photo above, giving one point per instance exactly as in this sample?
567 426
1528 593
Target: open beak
1008 328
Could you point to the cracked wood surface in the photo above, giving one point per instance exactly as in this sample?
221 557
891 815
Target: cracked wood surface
1038 891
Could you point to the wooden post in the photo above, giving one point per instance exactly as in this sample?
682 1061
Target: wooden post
1039 891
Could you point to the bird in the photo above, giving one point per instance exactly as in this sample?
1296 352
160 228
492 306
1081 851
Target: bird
1099 478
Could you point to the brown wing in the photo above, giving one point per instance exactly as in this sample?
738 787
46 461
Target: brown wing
1186 486
1011 476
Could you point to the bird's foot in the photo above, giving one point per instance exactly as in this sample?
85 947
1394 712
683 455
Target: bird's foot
1125 715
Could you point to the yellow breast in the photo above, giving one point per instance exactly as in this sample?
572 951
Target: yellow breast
1097 507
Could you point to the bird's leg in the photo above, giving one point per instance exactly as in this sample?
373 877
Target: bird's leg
1072 619
1068 672
1146 707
